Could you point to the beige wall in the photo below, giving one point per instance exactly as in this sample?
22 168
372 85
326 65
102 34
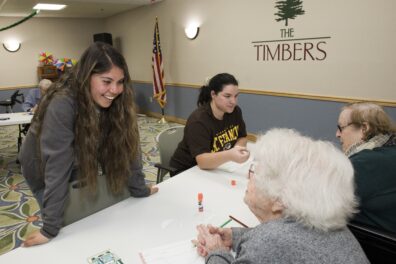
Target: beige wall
360 61
62 37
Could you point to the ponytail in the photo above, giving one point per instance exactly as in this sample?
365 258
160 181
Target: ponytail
204 96
216 84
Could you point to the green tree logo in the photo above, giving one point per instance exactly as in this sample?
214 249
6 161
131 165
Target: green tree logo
288 9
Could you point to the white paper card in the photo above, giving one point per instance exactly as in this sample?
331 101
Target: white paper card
182 252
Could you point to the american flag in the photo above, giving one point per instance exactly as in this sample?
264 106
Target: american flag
158 69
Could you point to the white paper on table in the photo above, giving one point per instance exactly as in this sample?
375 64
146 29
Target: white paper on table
231 166
182 252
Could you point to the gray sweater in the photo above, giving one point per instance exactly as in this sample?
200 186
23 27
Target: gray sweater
285 241
60 164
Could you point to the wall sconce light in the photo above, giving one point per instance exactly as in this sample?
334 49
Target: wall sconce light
12 45
191 31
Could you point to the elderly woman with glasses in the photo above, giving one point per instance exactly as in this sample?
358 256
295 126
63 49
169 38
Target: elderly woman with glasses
368 138
302 192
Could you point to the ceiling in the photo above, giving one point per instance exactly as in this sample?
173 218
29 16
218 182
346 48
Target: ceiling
75 8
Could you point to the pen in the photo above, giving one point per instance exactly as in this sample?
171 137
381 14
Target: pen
226 222
236 220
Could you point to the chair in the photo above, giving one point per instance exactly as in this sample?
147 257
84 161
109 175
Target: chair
9 103
167 142
379 246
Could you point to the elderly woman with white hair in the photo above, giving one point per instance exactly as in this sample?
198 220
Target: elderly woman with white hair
302 192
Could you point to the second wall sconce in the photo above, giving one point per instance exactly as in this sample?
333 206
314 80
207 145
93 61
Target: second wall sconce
191 31
12 45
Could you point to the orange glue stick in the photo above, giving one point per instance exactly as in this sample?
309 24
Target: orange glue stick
200 205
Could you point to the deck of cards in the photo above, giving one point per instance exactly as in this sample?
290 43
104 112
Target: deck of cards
106 257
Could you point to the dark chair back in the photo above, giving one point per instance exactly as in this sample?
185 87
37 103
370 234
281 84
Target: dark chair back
9 103
14 98
379 246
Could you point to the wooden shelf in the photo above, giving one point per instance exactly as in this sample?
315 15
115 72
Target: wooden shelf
47 72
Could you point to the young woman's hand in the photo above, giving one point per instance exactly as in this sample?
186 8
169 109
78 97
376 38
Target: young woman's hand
239 154
153 188
35 238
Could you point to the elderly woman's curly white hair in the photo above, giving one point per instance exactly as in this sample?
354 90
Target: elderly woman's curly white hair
313 179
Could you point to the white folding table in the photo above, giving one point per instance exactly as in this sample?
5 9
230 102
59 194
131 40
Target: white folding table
136 224
15 118
19 119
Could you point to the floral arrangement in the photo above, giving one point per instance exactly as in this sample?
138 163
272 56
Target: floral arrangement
63 63
46 58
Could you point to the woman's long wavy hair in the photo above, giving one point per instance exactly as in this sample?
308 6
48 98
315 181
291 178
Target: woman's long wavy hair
109 136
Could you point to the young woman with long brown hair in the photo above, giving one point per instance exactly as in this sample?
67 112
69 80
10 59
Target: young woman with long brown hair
85 122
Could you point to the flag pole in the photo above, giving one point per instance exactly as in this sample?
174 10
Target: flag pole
159 90
162 120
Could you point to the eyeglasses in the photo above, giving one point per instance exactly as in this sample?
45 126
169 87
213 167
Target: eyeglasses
251 170
340 128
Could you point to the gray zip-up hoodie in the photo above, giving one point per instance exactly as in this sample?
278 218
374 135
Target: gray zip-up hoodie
59 163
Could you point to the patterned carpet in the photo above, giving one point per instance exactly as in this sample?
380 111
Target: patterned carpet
19 211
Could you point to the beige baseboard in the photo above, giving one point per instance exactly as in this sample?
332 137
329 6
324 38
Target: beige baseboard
4 88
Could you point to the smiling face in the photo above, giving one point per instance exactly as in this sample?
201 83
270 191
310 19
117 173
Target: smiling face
105 87
226 100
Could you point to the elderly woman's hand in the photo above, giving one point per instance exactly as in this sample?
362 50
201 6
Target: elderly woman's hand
225 234
33 109
208 242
